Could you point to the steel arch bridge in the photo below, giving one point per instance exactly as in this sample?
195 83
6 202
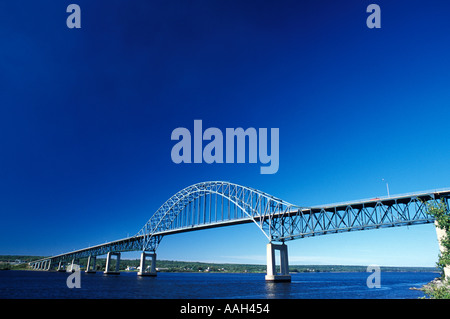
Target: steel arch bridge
218 204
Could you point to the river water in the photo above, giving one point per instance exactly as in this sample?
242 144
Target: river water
127 285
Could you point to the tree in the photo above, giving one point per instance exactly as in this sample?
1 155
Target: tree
440 211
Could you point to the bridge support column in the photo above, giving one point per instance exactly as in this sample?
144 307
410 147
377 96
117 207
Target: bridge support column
152 271
61 266
72 266
272 275
91 263
108 261
75 266
49 265
440 236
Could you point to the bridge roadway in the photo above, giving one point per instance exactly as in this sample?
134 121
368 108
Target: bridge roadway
232 204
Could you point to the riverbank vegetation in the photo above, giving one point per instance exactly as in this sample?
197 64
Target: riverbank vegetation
440 288
437 289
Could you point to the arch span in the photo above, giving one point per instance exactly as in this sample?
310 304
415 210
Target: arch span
212 204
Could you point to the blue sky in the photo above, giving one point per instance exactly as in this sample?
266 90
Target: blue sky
86 117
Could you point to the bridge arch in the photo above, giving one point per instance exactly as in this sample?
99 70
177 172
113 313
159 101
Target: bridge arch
194 207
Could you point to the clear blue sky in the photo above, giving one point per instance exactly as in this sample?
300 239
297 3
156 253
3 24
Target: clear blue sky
86 117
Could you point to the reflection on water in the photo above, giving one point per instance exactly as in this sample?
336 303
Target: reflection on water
278 289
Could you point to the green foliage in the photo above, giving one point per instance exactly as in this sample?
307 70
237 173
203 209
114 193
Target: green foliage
433 291
440 211
5 266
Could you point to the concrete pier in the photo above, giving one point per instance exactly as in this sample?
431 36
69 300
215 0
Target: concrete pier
91 264
272 275
61 266
108 262
152 271
74 265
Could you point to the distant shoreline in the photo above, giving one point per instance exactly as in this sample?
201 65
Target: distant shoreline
20 262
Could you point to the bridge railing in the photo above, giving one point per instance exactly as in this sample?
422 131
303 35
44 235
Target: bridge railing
384 198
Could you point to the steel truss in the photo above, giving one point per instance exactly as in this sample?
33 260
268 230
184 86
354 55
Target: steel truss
362 215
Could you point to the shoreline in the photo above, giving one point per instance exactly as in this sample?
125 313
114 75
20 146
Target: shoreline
21 263
243 272
435 289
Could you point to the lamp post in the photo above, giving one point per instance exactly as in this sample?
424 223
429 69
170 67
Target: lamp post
387 186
